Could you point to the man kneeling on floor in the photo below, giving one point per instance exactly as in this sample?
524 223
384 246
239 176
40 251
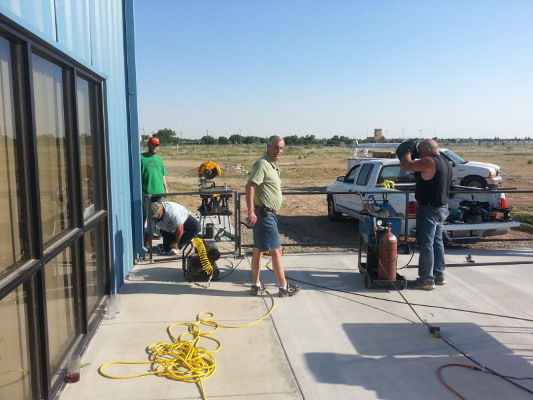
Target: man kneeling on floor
178 226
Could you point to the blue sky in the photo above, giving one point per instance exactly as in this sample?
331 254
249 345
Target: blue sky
454 68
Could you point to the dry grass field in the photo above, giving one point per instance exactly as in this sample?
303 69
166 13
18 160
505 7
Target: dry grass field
308 170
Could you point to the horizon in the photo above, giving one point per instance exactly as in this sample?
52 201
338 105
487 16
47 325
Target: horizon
360 140
457 69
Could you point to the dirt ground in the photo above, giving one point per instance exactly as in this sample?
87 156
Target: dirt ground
304 224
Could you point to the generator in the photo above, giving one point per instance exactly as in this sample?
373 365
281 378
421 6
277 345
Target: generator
379 230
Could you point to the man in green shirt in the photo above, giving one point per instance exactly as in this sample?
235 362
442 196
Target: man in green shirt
153 177
153 171
263 200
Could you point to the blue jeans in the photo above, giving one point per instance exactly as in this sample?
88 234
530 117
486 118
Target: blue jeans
191 228
429 221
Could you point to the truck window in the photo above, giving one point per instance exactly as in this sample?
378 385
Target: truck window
452 156
395 174
350 176
362 179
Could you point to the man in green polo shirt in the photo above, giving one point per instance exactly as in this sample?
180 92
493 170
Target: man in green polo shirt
263 200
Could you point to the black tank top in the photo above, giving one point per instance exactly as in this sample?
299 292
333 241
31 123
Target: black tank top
436 191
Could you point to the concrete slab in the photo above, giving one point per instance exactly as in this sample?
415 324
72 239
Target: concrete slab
335 339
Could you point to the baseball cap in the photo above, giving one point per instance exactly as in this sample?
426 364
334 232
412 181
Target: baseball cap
155 209
153 140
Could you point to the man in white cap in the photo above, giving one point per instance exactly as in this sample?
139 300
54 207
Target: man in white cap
178 226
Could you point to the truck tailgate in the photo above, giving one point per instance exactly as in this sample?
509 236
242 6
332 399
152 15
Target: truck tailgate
484 226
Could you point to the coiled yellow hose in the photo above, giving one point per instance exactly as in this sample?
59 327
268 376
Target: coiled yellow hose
183 359
202 253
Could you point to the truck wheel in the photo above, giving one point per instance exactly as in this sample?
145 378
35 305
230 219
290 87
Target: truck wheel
474 181
332 214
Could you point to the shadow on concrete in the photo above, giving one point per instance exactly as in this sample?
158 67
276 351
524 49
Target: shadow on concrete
399 360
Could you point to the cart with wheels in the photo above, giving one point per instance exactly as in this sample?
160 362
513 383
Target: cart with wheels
371 227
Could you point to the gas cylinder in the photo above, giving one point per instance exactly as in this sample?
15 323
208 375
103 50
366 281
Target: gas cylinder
388 256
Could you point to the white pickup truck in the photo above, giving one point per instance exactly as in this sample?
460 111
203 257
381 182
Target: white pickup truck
465 173
350 194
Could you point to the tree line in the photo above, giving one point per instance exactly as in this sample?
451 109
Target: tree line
169 137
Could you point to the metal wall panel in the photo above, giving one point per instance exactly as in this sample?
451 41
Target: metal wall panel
73 27
108 56
39 14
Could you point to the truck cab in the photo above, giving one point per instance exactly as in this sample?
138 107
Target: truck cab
473 173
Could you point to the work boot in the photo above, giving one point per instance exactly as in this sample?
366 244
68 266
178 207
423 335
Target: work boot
440 281
254 289
292 289
421 284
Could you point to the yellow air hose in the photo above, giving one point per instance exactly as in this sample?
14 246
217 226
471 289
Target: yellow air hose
202 253
184 360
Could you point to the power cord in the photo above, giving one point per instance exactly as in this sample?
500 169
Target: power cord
435 330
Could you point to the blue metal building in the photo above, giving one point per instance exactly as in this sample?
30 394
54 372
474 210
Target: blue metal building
70 184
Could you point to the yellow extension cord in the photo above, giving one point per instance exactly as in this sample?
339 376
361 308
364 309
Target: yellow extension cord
24 373
184 360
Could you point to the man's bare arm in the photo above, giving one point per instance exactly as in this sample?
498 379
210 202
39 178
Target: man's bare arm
424 164
250 190
179 234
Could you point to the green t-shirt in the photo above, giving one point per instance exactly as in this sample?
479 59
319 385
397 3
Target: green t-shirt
152 172
266 175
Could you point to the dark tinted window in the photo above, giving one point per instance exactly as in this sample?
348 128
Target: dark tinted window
350 176
366 170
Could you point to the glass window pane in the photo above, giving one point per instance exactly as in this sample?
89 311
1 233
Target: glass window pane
14 348
85 129
51 146
10 241
59 306
95 266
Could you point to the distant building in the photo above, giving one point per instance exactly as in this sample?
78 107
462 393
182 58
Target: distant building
378 136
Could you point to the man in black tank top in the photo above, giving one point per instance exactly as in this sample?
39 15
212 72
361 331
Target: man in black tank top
433 179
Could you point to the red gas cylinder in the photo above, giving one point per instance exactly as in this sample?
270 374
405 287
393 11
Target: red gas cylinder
388 256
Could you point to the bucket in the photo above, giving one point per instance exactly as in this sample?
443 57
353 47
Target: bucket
209 231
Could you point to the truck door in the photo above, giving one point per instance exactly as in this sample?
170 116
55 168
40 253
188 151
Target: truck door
359 183
347 186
